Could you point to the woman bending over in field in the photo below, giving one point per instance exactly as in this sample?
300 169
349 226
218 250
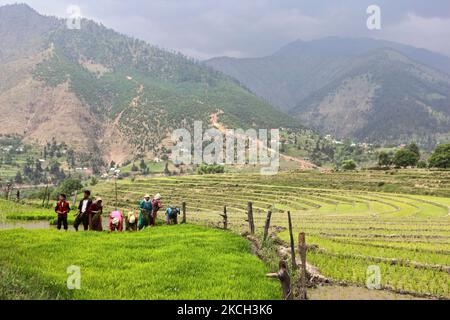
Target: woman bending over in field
116 221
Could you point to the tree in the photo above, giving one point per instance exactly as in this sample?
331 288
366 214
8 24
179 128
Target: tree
384 159
143 166
55 168
349 165
70 185
8 159
283 148
440 157
134 168
71 158
414 148
62 175
166 169
406 158
18 179
94 181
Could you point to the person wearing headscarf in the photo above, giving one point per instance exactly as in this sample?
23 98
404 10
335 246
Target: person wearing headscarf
156 205
172 214
116 221
145 214
95 215
131 221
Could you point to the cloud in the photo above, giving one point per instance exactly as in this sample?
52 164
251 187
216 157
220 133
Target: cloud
431 33
240 28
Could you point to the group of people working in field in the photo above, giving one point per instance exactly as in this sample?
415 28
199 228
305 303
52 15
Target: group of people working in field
90 214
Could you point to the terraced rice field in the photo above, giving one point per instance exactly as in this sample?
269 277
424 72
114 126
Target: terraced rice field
407 236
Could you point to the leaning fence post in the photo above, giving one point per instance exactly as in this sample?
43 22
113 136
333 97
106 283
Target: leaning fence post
267 225
184 213
285 279
291 235
302 249
250 218
225 218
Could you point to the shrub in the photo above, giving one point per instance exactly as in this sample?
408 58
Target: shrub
210 169
422 164
348 165
94 181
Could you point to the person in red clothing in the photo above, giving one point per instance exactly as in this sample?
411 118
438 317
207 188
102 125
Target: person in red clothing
156 205
95 215
62 209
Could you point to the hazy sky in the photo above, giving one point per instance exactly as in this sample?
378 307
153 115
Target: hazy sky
242 28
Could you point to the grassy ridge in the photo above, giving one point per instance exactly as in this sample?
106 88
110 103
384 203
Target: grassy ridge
17 211
178 262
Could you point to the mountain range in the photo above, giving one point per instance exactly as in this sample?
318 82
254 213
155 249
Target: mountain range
116 98
364 89
109 95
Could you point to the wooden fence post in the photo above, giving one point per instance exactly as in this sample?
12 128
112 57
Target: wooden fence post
74 198
302 249
250 218
45 196
184 213
115 189
225 218
291 235
285 279
267 225
8 190
48 198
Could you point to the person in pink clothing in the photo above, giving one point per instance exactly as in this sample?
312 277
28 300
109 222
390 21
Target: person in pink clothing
116 221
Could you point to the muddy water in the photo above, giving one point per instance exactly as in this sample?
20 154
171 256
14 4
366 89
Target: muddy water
42 224
354 293
9 224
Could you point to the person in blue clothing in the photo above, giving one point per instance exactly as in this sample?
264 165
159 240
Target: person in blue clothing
172 213
145 212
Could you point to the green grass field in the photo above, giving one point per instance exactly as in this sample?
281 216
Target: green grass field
169 262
